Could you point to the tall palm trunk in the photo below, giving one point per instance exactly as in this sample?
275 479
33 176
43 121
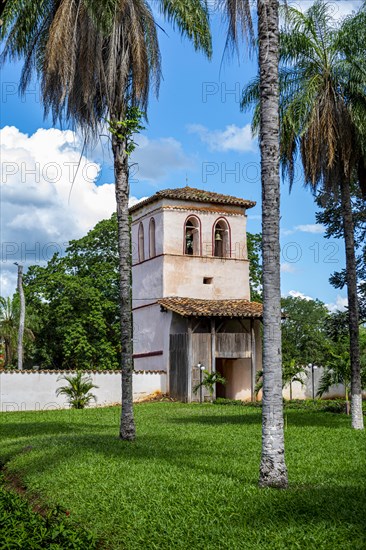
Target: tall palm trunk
8 353
21 318
121 174
273 472
351 277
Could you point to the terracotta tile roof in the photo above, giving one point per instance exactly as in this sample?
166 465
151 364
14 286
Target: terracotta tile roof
191 307
195 195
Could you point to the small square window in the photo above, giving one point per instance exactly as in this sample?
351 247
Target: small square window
207 280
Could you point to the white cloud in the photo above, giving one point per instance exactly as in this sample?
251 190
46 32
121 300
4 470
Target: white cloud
315 228
8 281
340 304
311 228
338 8
297 294
157 158
38 214
135 200
232 138
287 268
286 232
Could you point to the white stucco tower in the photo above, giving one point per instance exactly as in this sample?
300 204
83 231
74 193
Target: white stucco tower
191 277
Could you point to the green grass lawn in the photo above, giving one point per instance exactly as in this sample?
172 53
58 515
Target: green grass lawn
189 481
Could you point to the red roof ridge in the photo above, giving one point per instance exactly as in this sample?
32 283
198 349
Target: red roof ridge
194 195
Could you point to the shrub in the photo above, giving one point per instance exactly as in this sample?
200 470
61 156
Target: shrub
21 527
209 381
323 405
78 390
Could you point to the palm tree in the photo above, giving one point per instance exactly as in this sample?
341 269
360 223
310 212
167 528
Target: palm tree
323 114
77 390
273 471
96 61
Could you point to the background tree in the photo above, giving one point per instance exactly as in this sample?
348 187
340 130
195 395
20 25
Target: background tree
9 329
330 216
323 114
96 61
303 331
304 338
337 363
76 303
254 244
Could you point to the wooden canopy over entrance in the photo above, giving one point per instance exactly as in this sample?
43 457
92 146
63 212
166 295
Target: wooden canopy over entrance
192 307
211 335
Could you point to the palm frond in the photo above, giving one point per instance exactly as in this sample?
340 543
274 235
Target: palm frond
237 15
192 20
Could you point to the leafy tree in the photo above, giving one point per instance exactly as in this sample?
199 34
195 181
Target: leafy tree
77 390
323 113
304 339
254 244
9 327
330 216
75 299
303 331
96 62
337 366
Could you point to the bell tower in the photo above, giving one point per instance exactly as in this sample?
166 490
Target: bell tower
190 244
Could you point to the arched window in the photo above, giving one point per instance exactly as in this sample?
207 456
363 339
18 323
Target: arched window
141 243
221 236
192 237
152 244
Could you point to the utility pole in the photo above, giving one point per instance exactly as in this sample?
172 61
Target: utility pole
21 317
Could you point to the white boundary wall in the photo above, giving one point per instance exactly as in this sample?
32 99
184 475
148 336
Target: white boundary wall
36 390
305 390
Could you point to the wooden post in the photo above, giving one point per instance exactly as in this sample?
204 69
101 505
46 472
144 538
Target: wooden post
252 362
189 361
21 318
213 351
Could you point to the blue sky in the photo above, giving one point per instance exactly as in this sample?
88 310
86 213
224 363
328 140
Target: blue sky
195 132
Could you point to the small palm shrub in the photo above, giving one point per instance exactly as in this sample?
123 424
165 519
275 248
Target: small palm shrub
77 390
209 381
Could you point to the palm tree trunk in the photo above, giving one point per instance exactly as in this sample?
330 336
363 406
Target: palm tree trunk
21 318
351 277
121 174
273 471
8 353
